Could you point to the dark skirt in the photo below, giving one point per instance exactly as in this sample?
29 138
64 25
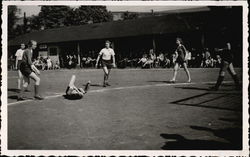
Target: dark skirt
107 63
180 60
25 69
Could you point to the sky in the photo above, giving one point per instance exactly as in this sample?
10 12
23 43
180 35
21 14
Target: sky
34 10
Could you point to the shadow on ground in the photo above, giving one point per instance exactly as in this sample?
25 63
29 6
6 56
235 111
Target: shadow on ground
161 81
178 142
12 90
13 97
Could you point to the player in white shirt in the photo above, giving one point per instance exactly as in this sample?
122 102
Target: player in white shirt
19 57
107 56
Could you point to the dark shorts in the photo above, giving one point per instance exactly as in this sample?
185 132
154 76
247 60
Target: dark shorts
18 64
107 63
228 60
25 69
180 60
72 96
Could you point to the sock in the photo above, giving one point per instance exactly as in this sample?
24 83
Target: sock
236 80
219 81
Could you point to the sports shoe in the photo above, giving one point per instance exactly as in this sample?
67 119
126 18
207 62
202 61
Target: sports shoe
20 99
38 97
107 84
26 90
213 88
172 81
87 86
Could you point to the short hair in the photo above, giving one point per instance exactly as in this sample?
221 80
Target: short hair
179 39
31 42
107 41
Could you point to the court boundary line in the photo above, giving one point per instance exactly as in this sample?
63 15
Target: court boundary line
118 88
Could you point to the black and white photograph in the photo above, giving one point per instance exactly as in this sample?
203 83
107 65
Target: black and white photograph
113 76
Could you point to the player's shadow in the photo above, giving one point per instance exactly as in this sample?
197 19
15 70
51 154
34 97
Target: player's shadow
13 97
179 142
207 89
71 97
13 90
232 135
194 88
96 85
160 81
234 120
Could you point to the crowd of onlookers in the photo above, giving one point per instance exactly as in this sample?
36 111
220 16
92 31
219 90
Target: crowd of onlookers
147 60
166 60
45 63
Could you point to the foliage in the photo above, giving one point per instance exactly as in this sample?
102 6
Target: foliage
12 19
129 16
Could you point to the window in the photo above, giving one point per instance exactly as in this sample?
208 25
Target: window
53 51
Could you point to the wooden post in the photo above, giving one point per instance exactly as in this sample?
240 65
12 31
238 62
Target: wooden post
154 45
78 53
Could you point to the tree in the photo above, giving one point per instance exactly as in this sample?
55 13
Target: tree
129 16
12 19
88 14
52 16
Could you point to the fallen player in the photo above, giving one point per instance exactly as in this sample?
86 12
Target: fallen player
73 93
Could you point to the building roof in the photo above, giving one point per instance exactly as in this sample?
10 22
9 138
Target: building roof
116 29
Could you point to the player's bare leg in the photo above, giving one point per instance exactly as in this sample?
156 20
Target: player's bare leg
24 86
176 68
221 76
106 72
234 75
37 86
19 80
72 81
109 70
187 72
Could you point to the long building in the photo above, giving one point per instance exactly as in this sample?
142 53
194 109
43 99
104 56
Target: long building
131 38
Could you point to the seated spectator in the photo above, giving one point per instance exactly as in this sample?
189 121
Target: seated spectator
37 62
218 61
167 63
56 65
160 60
143 60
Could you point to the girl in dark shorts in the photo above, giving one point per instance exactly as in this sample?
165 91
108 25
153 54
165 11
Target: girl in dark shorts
73 93
180 59
107 55
29 70
227 64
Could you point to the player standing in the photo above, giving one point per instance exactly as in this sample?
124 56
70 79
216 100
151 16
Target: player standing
227 64
29 70
107 56
180 59
19 57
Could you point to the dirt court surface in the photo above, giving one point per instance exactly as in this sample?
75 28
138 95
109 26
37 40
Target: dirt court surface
141 110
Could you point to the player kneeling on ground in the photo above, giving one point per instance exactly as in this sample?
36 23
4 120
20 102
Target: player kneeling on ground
73 93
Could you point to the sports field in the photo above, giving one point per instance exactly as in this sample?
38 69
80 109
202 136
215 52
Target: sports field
141 110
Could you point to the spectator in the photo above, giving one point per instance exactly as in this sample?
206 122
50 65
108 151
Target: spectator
143 60
49 63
